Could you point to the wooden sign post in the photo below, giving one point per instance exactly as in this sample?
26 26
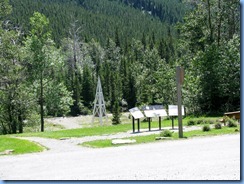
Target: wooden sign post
179 82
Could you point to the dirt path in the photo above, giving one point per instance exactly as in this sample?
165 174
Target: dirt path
81 121
70 144
210 158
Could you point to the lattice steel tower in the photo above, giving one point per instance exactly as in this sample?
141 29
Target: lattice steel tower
99 109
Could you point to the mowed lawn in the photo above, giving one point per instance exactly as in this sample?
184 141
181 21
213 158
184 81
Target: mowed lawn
18 146
107 129
152 138
23 146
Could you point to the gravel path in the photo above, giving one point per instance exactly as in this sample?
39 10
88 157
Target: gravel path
209 158
68 144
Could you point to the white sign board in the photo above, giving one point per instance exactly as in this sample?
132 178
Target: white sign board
136 113
160 112
154 111
173 110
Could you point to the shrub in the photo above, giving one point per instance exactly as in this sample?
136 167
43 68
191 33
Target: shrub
231 123
200 121
191 122
206 128
210 121
166 133
218 125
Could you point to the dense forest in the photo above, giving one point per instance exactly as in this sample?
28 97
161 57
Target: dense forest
52 52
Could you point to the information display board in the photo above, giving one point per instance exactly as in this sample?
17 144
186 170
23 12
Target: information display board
136 113
173 110
154 111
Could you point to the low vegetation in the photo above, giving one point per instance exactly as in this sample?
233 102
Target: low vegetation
106 129
152 138
18 146
206 128
166 133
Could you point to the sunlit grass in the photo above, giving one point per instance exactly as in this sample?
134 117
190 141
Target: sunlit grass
18 146
105 129
151 138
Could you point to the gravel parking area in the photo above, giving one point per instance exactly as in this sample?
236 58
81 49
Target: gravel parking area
209 158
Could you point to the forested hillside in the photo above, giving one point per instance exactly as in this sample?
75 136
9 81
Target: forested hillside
52 52
102 19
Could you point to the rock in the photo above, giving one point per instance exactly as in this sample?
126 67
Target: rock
8 152
162 138
63 138
123 141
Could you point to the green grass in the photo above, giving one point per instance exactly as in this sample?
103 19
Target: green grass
101 130
151 138
18 145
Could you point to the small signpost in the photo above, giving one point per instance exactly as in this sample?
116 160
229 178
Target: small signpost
136 115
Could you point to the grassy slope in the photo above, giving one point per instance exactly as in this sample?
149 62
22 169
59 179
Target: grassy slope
19 146
151 138
101 130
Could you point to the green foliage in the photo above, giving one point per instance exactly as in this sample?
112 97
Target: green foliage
151 138
206 128
218 125
231 123
51 67
116 114
18 145
166 133
101 19
191 122
200 121
57 99
5 8
205 49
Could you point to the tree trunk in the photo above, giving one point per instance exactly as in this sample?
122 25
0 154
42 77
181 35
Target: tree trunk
20 119
210 22
41 106
219 22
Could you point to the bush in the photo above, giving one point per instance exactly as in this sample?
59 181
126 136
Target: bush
166 133
231 123
218 125
206 128
191 122
200 121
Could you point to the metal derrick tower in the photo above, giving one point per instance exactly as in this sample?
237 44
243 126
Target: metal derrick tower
99 109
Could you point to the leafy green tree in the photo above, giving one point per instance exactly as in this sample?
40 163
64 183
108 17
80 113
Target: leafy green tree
210 32
15 99
43 61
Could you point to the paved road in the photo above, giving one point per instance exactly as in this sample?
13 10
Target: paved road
210 158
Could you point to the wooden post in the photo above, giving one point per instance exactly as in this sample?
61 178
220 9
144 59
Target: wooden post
138 125
159 123
149 124
133 124
172 122
179 81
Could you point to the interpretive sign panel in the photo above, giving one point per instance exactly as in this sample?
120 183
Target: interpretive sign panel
173 110
136 113
154 111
